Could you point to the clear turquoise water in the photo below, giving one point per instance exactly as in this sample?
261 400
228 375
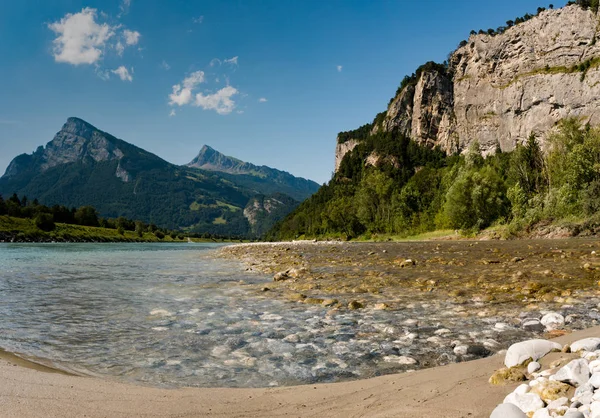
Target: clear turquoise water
175 315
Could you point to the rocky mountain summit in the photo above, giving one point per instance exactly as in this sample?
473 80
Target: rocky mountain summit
83 165
212 160
498 89
252 175
78 141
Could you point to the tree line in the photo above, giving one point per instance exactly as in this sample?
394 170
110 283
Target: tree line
412 189
46 218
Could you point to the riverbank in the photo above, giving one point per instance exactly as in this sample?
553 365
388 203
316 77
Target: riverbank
23 230
453 391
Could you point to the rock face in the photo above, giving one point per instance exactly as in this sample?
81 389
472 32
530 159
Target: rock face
500 89
262 212
342 149
424 112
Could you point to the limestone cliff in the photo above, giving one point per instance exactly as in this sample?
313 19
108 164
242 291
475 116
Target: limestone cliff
499 89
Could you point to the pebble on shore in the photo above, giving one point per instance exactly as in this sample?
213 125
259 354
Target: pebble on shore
549 393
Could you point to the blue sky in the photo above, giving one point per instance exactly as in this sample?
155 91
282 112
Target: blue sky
269 82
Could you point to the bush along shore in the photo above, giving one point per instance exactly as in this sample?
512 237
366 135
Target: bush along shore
24 220
25 230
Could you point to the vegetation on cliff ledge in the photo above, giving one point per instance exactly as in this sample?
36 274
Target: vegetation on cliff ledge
390 185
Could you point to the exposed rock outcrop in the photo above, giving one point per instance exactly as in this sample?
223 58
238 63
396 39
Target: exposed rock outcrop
342 149
499 89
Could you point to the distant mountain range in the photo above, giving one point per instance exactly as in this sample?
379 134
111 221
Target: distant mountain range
214 193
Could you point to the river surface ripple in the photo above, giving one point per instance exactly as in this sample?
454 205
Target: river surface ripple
175 315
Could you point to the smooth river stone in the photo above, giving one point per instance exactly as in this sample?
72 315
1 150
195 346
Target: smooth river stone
507 410
518 353
528 402
553 321
587 344
575 373
533 367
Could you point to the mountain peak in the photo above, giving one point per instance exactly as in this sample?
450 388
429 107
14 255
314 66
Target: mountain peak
78 127
210 159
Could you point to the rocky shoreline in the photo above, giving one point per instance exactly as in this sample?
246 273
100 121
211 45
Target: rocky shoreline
568 386
436 303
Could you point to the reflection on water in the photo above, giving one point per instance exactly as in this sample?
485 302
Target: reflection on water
173 315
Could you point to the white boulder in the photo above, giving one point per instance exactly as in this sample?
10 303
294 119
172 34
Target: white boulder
533 367
575 373
542 413
518 353
595 380
528 402
507 410
522 389
553 321
587 344
573 414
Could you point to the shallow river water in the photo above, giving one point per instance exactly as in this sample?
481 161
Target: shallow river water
176 315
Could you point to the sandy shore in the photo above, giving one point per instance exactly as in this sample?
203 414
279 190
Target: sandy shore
454 391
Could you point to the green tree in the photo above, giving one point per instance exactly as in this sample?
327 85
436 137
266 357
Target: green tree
139 228
44 221
86 215
476 199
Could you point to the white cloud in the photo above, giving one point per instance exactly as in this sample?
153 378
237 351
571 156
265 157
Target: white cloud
131 36
103 74
165 65
195 78
214 62
232 61
80 40
125 5
120 48
339 68
198 20
182 93
172 113
262 100
220 101
123 73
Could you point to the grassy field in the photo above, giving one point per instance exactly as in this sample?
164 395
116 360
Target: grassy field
24 230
